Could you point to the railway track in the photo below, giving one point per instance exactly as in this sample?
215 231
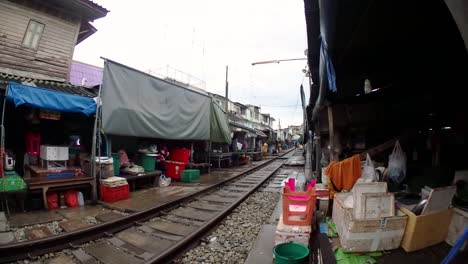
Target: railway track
154 235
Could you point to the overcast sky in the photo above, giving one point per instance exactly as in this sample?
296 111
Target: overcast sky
201 37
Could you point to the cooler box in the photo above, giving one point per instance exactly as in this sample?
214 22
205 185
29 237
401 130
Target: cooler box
180 155
190 175
174 169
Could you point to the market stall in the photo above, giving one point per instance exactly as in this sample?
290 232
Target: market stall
42 130
160 115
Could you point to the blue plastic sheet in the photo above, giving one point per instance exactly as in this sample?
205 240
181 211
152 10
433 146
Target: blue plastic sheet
43 98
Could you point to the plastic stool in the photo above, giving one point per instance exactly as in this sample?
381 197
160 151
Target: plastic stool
33 144
298 204
292 184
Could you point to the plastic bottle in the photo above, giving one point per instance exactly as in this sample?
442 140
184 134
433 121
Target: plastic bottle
80 199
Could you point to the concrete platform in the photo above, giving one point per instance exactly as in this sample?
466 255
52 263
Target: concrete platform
262 250
37 232
107 217
108 254
7 237
147 198
72 225
143 241
82 212
192 213
33 218
171 227
62 259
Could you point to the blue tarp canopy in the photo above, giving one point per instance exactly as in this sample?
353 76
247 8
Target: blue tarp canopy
37 97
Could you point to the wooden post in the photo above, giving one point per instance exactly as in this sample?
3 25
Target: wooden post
209 156
331 133
318 151
93 147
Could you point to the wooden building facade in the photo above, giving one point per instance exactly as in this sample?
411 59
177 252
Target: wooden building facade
37 38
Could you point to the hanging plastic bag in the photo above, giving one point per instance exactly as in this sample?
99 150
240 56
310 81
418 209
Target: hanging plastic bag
52 200
397 164
71 198
368 171
164 181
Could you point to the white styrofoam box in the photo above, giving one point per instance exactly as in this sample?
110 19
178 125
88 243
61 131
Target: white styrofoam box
360 188
292 233
377 205
366 235
54 152
458 224
297 238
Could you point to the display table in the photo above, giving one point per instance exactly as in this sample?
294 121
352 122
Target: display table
221 156
44 183
37 171
131 179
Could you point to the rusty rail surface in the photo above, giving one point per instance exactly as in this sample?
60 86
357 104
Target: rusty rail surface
35 248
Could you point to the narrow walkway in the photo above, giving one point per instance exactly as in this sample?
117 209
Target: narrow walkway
70 219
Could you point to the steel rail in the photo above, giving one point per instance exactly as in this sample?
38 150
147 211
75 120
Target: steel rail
167 254
35 248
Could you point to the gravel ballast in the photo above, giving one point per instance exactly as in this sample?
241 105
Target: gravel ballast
232 240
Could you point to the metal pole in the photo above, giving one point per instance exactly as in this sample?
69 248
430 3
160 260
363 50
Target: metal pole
2 139
227 90
191 152
209 156
93 146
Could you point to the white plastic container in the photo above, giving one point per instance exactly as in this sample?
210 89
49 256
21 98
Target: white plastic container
54 153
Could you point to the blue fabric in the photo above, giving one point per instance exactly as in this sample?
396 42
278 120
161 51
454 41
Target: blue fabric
37 97
330 70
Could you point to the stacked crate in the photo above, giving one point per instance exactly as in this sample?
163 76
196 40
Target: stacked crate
114 189
292 233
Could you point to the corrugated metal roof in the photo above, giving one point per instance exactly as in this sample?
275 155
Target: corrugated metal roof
51 85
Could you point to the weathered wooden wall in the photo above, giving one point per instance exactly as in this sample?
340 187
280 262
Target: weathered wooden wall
53 56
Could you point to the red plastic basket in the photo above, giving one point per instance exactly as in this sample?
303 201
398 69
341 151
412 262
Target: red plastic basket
174 169
114 194
180 155
300 205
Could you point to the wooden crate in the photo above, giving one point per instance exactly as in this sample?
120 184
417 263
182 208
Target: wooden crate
366 235
425 230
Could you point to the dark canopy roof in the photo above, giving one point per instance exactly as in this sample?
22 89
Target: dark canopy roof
411 50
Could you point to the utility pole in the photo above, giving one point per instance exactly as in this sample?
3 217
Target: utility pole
227 91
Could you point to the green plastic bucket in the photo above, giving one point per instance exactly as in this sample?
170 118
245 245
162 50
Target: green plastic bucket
148 162
116 162
291 253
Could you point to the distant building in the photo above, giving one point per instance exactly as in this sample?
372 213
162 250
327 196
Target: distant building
84 74
248 116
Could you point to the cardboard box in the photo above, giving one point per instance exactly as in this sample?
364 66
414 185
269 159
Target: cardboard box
425 230
366 235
